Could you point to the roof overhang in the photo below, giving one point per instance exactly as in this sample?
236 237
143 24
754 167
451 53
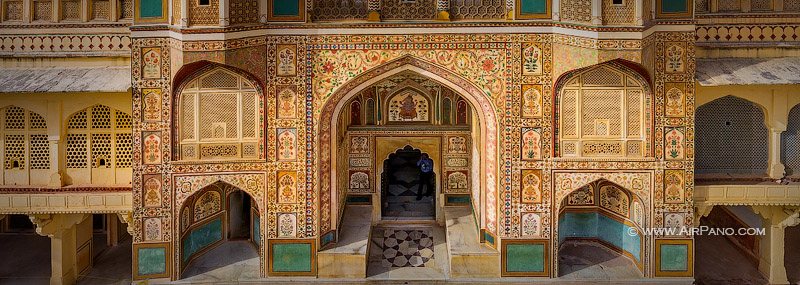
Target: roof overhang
748 71
65 79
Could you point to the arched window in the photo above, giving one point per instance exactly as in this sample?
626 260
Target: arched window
731 137
446 106
99 141
603 113
462 112
218 117
355 113
25 145
370 112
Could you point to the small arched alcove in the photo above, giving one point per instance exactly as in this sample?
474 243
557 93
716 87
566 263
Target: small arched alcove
600 233
220 226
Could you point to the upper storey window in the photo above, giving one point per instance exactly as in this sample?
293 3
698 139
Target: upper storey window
219 117
603 113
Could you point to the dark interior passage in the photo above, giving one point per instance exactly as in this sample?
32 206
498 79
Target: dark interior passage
401 185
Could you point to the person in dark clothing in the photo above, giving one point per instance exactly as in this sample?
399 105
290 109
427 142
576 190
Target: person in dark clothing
426 172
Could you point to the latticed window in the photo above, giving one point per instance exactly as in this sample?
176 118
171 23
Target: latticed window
219 117
731 137
71 9
126 9
325 10
24 135
101 10
477 9
12 10
42 10
730 5
99 137
603 113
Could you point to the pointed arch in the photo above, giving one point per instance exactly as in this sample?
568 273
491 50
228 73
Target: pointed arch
218 113
623 108
727 119
487 119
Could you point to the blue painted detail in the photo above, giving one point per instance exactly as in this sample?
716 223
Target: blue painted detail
602 227
488 237
201 237
327 238
458 200
257 230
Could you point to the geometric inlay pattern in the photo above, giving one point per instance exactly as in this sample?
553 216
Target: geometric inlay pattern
407 248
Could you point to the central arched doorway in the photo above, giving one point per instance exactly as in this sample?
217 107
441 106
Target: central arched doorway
220 227
471 110
600 233
406 192
380 136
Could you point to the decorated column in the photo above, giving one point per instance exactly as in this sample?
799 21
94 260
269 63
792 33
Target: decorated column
70 237
770 261
597 12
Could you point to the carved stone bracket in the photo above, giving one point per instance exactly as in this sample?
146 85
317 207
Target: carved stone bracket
779 215
701 210
127 218
52 225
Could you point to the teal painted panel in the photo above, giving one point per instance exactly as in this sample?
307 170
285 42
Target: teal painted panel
152 260
257 230
618 234
488 237
201 237
151 8
577 225
291 257
359 199
458 199
674 257
602 227
674 6
533 6
286 7
525 258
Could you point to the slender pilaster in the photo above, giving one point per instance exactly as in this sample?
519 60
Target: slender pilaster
638 12
776 219
55 138
224 13
443 10
263 6
374 10
776 169
597 12
556 10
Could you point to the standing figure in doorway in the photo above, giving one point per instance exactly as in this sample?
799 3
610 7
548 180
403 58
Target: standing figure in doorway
426 171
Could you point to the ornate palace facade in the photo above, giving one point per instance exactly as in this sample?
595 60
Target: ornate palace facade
278 122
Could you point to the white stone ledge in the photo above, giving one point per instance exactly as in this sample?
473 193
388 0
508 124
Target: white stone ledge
40 203
788 195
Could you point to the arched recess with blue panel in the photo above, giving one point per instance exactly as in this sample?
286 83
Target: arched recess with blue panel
601 216
219 216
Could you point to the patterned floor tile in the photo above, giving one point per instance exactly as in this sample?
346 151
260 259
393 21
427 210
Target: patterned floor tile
406 248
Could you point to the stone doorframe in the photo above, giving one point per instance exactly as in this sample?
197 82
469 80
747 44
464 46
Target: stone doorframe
386 145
